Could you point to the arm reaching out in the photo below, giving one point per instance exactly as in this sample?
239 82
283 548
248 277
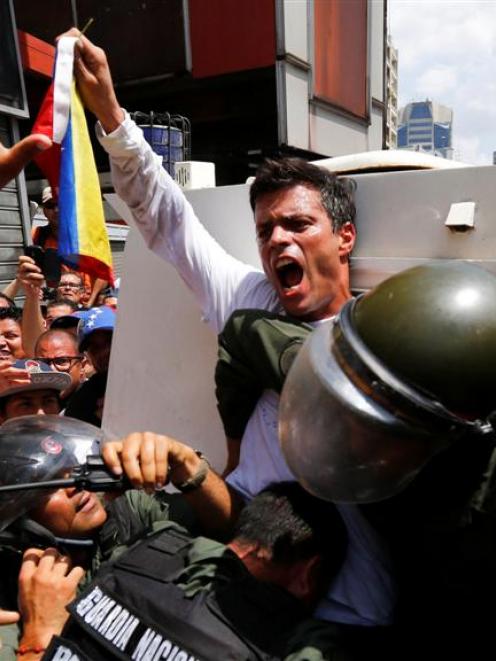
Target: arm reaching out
15 158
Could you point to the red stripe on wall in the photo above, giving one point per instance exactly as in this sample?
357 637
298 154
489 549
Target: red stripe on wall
37 55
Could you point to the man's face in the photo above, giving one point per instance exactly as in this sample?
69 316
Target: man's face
70 513
306 262
98 350
51 211
56 311
70 288
10 340
69 360
31 402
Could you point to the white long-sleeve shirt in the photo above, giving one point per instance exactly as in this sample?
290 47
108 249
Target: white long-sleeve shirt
363 591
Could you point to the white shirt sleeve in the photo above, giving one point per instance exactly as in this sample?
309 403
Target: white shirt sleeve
171 229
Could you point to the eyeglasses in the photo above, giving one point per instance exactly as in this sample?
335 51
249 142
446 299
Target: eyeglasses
61 363
68 285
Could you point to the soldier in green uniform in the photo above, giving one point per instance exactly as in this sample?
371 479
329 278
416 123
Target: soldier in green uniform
34 448
250 599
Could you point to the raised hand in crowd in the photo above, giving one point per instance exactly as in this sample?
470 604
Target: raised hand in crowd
30 275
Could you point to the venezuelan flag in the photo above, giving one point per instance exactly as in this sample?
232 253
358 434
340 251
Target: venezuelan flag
70 168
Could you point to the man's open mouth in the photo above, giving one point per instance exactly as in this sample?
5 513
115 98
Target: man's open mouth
289 272
85 502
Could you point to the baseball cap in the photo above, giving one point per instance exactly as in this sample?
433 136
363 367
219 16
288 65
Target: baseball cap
102 318
41 375
46 195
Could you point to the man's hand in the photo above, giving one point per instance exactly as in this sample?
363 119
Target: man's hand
95 82
30 276
12 376
150 460
46 585
14 159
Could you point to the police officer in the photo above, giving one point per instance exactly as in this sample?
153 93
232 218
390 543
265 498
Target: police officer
172 596
391 406
40 448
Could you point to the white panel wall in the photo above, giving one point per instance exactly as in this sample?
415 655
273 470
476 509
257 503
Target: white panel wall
297 108
295 32
376 48
320 128
163 355
339 134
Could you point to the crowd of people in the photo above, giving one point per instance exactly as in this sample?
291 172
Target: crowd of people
248 564
55 327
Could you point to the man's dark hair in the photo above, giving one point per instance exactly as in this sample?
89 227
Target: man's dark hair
62 301
10 301
294 525
52 332
11 313
336 194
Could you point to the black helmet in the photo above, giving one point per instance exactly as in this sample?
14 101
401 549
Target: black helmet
40 447
399 375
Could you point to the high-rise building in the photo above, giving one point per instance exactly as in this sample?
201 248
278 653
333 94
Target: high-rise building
391 132
426 126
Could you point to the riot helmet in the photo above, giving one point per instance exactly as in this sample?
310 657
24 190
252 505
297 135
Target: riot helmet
37 448
400 374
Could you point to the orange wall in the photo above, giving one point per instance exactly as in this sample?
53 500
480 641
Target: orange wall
341 54
231 35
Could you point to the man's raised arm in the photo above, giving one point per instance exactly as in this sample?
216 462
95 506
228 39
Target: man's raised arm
163 215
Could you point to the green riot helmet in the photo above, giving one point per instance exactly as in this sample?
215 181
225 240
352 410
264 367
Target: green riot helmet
37 448
399 375
435 327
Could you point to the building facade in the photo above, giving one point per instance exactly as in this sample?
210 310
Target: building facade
391 133
426 126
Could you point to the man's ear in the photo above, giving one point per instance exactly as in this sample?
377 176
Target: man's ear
347 237
82 373
305 579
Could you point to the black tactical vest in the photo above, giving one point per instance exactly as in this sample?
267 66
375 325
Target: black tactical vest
135 610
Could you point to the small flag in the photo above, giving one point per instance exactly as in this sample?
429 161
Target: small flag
69 166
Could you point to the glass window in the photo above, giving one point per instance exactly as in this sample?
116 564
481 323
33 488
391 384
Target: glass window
12 96
420 111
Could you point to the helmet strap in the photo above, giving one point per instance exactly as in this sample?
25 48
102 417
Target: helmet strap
30 532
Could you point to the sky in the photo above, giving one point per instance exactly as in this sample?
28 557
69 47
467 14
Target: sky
447 53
